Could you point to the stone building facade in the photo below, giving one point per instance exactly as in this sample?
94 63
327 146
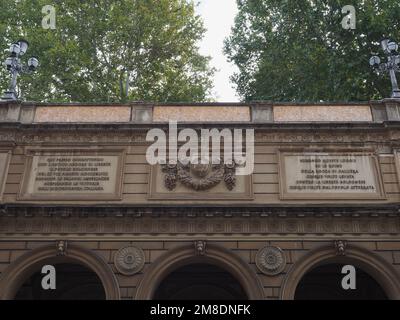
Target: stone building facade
77 193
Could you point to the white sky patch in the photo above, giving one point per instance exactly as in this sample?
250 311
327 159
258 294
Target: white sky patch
218 16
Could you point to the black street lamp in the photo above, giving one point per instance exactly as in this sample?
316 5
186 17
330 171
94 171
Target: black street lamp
392 65
15 67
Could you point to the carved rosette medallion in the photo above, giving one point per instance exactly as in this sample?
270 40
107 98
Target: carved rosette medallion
200 176
129 260
271 260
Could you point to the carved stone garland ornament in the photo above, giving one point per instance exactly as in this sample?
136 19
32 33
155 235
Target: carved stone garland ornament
129 260
199 177
271 260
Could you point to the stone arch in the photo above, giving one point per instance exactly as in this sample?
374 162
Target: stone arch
214 255
18 271
382 271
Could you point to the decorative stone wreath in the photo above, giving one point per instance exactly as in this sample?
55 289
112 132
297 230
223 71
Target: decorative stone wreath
271 260
200 177
129 260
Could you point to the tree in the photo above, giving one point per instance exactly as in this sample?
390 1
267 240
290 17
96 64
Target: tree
98 44
299 50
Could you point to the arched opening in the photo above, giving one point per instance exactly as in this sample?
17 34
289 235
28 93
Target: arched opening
200 282
73 282
325 283
20 280
215 256
364 260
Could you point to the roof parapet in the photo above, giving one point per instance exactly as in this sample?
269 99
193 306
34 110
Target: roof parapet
253 112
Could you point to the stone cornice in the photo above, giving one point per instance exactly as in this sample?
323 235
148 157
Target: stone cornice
122 134
362 126
278 211
116 223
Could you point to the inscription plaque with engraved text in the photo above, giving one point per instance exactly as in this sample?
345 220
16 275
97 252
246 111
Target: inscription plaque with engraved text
73 176
329 176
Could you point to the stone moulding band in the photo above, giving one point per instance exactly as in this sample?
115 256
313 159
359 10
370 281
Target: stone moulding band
213 221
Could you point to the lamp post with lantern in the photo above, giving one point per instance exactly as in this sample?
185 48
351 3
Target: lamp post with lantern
391 49
15 67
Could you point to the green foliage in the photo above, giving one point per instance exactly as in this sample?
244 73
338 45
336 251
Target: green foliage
298 50
96 44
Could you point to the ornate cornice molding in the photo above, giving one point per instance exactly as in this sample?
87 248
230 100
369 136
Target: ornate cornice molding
140 137
62 134
155 211
197 221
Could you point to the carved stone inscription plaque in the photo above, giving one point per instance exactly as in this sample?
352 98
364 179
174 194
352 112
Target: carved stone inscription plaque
325 176
73 176
4 160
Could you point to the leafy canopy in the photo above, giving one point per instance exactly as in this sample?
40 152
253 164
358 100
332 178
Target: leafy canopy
298 50
98 43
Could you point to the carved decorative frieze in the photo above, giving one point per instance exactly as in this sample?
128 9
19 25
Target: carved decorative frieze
191 221
67 134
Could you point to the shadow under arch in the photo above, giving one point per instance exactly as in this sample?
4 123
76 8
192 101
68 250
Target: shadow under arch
382 271
20 270
183 256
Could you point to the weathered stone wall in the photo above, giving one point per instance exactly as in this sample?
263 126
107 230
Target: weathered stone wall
234 230
294 250
381 142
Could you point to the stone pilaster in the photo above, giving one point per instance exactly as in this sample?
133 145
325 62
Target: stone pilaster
378 110
392 109
262 112
10 111
142 113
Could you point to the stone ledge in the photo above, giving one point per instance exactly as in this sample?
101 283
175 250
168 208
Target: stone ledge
251 113
82 114
347 113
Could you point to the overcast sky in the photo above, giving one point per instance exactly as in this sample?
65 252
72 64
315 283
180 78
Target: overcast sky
218 16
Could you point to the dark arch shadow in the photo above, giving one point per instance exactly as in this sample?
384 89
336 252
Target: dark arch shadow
185 255
21 269
73 282
325 283
375 266
200 282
